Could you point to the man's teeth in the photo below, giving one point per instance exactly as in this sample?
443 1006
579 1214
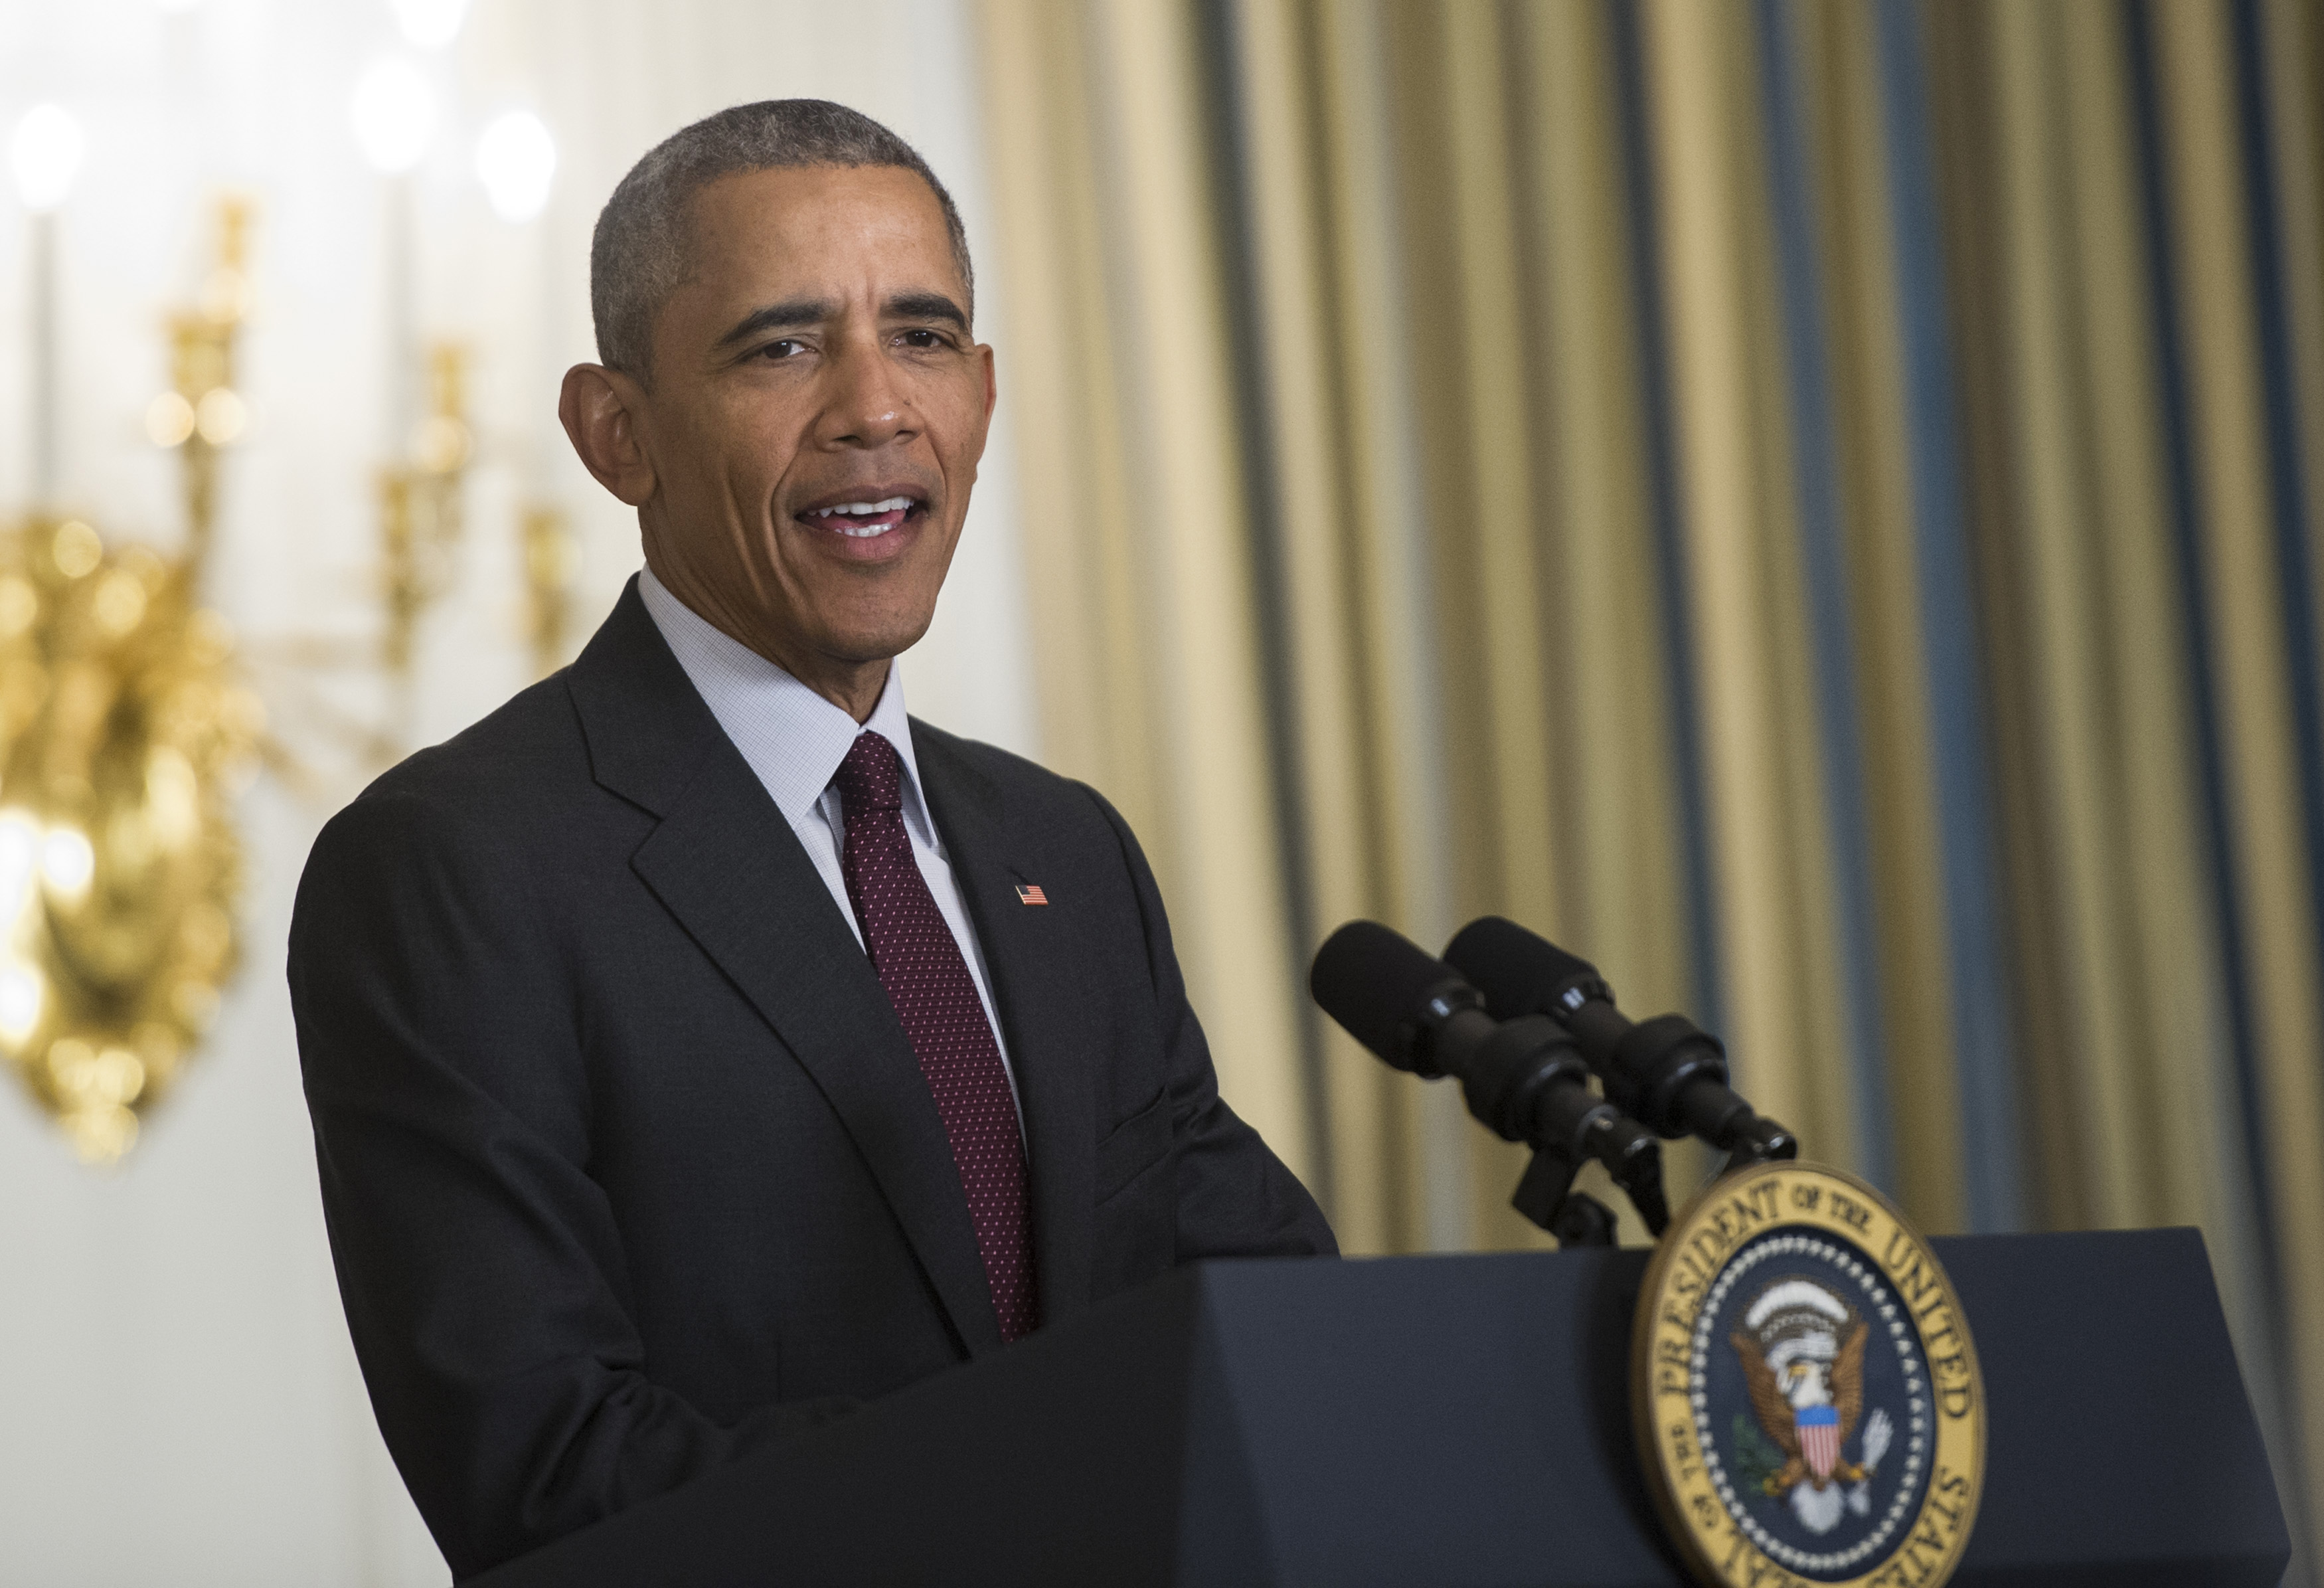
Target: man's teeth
877 517
865 510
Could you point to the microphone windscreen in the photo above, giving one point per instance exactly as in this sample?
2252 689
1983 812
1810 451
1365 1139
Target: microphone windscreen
1520 973
1376 982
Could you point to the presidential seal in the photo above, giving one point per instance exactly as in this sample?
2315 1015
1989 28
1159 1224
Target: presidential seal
1806 1398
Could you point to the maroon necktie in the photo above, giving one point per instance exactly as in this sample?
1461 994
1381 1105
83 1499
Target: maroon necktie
920 964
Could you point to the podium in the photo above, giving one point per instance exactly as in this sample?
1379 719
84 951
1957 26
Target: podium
1453 1422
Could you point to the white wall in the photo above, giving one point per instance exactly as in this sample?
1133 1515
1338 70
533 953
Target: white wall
178 1401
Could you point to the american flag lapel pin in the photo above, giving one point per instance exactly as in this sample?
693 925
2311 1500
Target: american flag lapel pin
1030 893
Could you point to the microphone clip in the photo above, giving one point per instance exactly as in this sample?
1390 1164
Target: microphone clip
1546 1196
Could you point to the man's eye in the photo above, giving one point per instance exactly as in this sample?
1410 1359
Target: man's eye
782 347
924 339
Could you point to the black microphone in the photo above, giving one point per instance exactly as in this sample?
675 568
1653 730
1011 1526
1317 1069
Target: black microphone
1666 1073
1524 1078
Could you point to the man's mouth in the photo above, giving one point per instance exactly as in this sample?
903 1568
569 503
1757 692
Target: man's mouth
863 520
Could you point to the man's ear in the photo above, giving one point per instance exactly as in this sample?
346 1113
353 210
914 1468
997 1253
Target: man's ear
603 411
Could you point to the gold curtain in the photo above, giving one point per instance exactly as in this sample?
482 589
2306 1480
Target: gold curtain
1145 630
1811 504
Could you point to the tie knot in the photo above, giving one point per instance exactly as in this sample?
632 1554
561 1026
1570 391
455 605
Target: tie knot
872 777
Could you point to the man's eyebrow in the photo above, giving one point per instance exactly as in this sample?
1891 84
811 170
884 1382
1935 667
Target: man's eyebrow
787 315
928 306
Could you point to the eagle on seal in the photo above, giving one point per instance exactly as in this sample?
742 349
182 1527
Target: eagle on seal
1803 1353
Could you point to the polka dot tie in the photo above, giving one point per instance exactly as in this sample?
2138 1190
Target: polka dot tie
920 964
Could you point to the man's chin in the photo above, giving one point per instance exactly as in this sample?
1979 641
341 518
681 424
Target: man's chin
867 645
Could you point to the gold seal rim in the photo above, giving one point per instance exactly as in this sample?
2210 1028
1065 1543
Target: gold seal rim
1657 1453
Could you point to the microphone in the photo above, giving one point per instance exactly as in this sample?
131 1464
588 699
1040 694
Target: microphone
1522 1078
1666 1073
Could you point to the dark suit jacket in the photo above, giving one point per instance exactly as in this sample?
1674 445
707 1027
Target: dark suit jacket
627 1165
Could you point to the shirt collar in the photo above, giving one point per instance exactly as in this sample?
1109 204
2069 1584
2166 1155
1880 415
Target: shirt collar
793 738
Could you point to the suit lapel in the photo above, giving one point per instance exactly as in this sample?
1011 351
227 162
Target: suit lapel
1028 955
727 865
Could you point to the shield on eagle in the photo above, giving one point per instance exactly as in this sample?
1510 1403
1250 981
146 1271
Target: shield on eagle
1802 1350
1819 1427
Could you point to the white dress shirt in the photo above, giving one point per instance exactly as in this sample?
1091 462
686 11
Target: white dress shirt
794 740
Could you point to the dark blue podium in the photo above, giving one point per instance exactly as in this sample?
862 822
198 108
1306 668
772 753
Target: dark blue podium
1454 1422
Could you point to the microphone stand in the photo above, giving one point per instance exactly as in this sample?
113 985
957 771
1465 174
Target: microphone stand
1545 1196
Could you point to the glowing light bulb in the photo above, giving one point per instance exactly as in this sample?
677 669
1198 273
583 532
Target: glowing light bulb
221 416
392 112
46 153
515 159
22 994
168 419
66 861
430 24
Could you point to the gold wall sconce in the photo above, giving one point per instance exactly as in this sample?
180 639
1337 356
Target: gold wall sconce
126 723
201 414
125 729
422 523
422 518
420 503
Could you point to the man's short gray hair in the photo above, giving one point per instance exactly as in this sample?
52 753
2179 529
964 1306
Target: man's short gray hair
638 255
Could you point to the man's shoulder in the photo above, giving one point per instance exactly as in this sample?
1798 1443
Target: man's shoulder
492 821
521 768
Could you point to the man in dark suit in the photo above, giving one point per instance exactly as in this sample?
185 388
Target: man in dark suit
696 1046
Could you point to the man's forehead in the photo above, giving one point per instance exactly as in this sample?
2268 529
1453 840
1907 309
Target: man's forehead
799 218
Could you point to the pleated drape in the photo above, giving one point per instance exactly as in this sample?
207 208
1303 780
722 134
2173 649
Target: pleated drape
1137 537
1810 502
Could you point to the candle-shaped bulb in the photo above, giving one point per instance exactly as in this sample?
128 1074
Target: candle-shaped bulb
515 159
46 154
393 112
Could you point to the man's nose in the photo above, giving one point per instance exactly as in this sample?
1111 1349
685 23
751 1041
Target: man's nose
867 407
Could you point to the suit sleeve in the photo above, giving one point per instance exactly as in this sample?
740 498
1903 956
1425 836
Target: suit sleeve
1235 1197
481 1266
